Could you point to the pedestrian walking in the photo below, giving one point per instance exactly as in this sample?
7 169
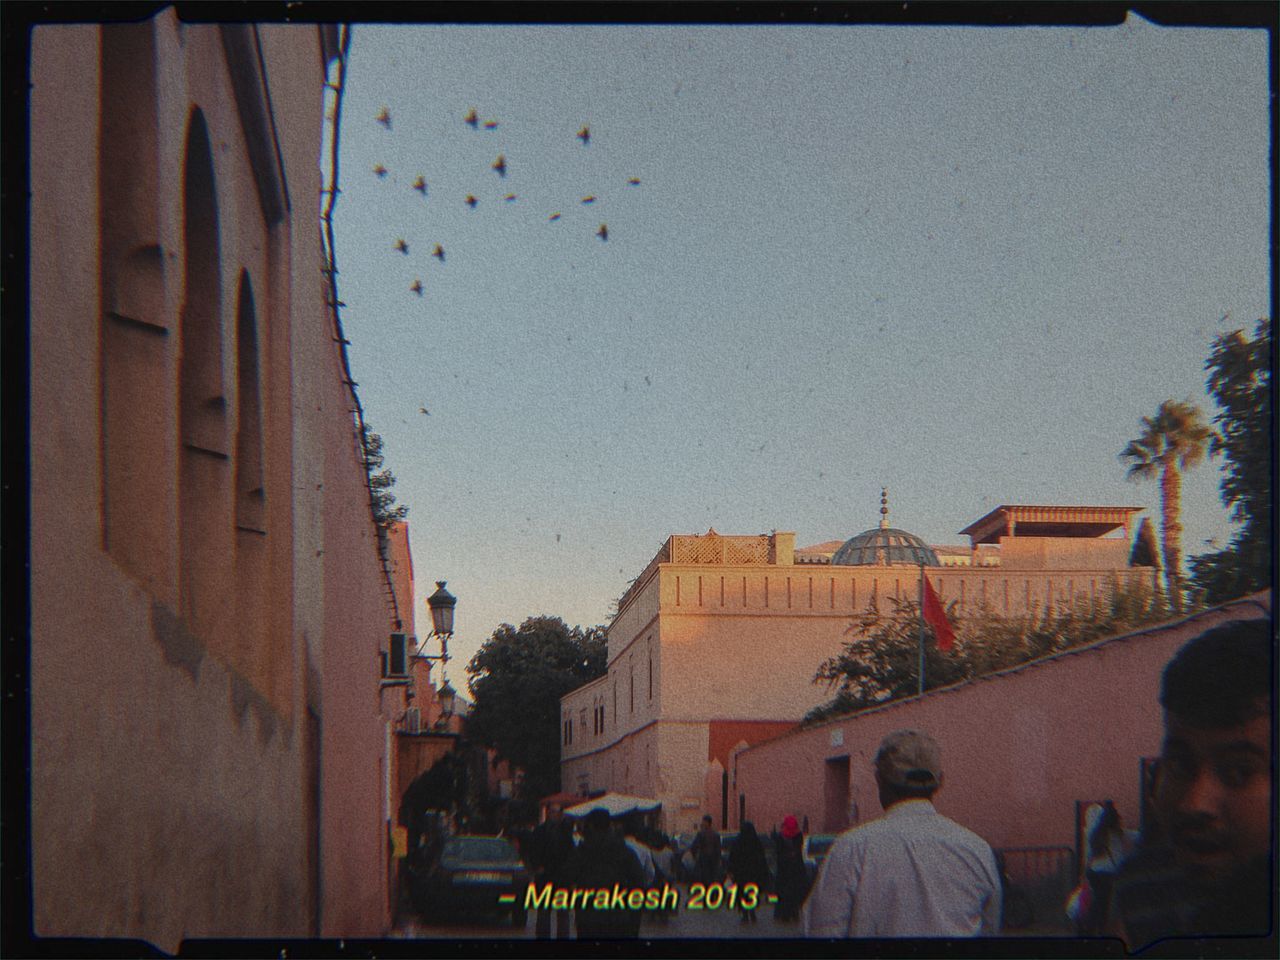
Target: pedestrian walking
706 853
1107 844
793 877
599 862
911 872
550 846
747 864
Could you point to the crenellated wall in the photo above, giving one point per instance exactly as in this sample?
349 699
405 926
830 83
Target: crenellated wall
736 632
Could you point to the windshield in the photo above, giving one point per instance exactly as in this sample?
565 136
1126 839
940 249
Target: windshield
482 849
818 846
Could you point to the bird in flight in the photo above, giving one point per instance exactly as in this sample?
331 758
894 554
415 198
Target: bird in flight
633 181
501 165
509 197
402 246
416 287
424 411
420 185
380 171
384 117
554 217
591 198
471 119
585 134
438 253
471 201
603 232
491 124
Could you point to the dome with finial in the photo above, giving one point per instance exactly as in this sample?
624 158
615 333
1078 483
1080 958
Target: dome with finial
885 545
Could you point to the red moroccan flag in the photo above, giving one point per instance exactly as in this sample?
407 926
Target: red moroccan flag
936 617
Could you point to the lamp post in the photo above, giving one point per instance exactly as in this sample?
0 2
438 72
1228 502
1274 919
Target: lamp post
446 696
441 604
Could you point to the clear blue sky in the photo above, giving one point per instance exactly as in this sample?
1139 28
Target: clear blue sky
957 262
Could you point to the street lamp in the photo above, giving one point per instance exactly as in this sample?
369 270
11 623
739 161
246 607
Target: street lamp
441 603
447 695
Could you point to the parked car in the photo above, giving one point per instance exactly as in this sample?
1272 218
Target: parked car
816 847
472 873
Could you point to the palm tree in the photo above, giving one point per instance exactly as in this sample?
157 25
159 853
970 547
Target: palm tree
1174 440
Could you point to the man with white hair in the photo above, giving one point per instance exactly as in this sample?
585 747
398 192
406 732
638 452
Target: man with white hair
911 872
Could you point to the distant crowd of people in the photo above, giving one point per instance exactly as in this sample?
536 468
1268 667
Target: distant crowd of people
1201 867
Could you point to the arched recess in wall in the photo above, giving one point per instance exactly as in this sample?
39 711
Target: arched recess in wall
205 508
253 655
136 346
251 515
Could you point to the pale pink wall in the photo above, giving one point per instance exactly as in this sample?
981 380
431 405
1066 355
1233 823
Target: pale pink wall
1063 553
1018 749
173 772
356 626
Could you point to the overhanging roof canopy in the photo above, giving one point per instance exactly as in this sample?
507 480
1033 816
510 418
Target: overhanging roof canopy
1013 520
617 805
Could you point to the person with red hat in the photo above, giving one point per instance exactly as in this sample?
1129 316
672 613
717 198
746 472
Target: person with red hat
793 879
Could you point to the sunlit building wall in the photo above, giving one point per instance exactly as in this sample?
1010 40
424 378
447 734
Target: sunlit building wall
716 643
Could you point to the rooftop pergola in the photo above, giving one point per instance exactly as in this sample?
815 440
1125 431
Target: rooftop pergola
1012 520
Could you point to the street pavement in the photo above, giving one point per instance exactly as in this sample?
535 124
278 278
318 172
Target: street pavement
685 924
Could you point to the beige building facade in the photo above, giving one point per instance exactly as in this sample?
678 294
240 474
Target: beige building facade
716 643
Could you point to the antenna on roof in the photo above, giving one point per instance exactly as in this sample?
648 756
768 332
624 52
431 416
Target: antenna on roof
884 508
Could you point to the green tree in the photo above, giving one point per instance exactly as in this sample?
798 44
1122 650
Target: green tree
382 500
1174 440
880 661
517 679
1145 553
1240 381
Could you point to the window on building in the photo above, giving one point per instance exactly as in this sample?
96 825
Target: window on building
250 491
253 652
205 495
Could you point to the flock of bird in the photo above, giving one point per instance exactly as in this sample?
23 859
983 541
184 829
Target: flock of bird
499 165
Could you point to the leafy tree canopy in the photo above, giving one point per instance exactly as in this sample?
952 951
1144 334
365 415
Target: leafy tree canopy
517 679
880 663
385 510
1240 381
1177 438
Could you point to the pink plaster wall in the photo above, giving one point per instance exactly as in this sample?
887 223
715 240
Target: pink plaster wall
1018 749
174 775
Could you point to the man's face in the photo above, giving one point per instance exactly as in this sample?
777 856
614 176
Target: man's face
1213 795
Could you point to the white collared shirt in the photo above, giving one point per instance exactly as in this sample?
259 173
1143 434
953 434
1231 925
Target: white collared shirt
645 856
910 873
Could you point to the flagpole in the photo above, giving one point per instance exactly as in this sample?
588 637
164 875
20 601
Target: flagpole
920 673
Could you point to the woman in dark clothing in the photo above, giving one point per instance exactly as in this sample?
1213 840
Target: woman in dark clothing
600 861
747 864
793 879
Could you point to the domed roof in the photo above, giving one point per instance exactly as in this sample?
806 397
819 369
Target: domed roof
885 545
